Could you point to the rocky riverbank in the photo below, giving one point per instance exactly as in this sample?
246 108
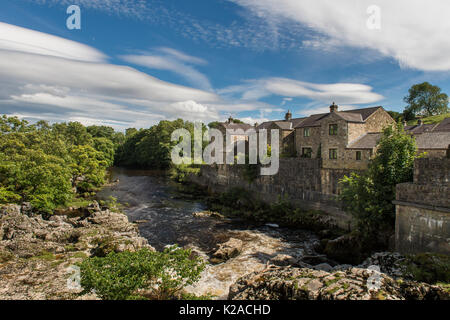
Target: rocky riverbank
289 283
37 255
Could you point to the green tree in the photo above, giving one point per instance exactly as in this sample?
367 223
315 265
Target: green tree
41 163
425 99
369 196
129 275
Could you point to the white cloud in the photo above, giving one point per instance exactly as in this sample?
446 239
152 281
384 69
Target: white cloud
193 111
342 93
252 121
414 32
174 61
65 80
25 40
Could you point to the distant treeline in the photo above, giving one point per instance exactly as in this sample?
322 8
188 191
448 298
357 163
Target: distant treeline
151 148
50 166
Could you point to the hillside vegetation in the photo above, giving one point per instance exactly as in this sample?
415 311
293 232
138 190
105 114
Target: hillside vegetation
432 119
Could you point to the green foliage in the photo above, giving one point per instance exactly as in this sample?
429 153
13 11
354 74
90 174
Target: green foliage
369 196
150 148
145 273
397 116
180 173
42 164
428 267
432 120
426 99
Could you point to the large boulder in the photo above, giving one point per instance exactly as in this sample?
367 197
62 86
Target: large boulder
288 283
228 250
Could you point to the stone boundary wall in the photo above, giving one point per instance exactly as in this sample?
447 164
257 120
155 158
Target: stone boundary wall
303 182
423 209
432 171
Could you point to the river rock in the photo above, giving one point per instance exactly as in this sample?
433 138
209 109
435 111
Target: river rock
283 260
228 250
324 267
288 283
35 254
388 262
204 214
345 249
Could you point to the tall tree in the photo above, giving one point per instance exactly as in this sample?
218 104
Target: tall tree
369 196
426 99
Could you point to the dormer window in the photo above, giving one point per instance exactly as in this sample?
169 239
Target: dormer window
333 129
306 132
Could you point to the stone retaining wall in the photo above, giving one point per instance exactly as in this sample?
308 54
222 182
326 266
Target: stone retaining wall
423 209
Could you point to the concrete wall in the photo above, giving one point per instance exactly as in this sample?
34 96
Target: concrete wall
423 209
302 181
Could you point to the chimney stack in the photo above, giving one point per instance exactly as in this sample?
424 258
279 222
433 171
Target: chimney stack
288 116
334 107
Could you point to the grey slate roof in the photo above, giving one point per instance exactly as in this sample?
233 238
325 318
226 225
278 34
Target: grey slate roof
367 141
357 115
418 129
236 126
444 126
433 140
365 113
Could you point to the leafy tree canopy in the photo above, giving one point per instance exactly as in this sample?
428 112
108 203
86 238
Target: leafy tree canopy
369 196
425 99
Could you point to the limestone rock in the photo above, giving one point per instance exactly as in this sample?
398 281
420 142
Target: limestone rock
204 214
324 267
36 254
227 250
288 283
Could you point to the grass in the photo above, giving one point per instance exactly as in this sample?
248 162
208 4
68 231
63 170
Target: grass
432 119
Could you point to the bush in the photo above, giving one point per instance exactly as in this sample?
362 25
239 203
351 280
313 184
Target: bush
181 172
142 274
428 267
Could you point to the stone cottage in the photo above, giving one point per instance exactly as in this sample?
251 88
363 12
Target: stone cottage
344 140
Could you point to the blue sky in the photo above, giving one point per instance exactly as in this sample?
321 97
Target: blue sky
135 62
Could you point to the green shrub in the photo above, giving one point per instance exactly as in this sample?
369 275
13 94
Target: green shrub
180 173
141 274
428 267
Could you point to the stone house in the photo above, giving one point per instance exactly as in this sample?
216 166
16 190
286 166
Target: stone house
286 129
434 139
238 130
342 139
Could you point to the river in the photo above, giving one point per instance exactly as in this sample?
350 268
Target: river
166 218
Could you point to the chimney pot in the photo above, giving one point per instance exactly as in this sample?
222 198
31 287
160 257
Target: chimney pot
288 116
334 107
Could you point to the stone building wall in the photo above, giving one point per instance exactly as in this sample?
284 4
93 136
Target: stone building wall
379 120
338 141
303 182
313 141
423 209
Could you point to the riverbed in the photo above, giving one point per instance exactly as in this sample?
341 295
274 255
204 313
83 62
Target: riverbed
165 218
